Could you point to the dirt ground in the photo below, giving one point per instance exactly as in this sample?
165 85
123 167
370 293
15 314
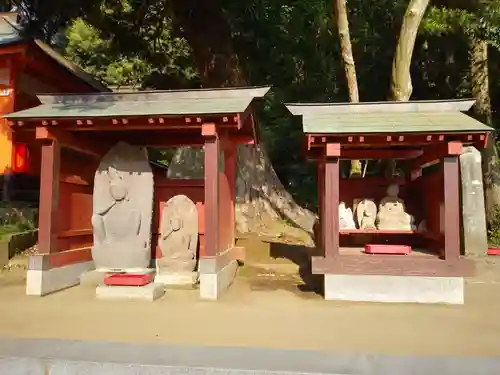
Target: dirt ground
269 305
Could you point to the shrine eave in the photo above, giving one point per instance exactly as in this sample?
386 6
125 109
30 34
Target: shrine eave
422 117
178 103
12 34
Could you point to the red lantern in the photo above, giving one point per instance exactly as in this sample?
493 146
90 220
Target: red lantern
20 158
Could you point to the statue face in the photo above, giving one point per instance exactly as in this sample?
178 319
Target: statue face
117 187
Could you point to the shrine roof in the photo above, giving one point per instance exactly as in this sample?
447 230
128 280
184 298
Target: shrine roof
444 116
144 103
12 33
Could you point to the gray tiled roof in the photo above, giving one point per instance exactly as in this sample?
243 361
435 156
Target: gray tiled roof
388 117
152 103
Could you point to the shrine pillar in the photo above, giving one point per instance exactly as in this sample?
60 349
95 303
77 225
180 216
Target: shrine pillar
218 263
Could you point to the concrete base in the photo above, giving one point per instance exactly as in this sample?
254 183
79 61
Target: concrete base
412 289
213 284
95 278
41 282
148 292
173 279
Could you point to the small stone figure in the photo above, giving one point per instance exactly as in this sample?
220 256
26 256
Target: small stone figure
366 213
392 213
346 220
122 210
178 242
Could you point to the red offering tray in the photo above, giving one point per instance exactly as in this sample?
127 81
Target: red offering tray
494 251
388 249
124 279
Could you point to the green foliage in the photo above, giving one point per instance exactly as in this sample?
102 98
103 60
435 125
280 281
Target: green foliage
494 230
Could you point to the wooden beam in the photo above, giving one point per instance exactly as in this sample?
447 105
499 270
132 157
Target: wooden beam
49 197
451 208
434 154
68 140
367 154
392 265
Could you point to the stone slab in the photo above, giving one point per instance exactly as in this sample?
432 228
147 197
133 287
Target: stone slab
474 227
148 292
177 279
58 357
212 285
402 289
42 282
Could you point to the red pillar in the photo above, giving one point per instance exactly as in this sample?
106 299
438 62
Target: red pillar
49 197
451 208
212 145
330 207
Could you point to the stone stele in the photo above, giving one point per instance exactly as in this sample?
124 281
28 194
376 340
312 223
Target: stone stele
366 213
392 213
475 240
178 242
122 211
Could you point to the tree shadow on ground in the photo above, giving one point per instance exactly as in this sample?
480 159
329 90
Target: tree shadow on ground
301 256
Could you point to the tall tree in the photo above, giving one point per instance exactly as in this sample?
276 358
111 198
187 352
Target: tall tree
262 202
342 21
401 88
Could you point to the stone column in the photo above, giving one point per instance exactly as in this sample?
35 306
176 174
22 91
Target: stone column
475 240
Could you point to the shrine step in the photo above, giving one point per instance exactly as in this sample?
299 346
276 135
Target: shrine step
388 249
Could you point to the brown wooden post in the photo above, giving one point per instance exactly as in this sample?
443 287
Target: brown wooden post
331 201
321 198
49 197
212 155
451 208
230 160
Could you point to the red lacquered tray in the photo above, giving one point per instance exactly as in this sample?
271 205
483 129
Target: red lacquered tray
494 251
388 249
123 279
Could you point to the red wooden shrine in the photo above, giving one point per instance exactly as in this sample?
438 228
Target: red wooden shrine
75 131
426 138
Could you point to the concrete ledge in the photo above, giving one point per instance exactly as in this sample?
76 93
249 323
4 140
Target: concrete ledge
375 288
148 292
65 357
212 285
41 282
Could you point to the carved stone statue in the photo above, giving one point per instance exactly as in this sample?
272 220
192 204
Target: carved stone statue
122 211
392 212
366 213
178 241
346 219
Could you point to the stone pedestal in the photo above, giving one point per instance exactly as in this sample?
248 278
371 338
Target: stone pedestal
148 292
177 279
399 289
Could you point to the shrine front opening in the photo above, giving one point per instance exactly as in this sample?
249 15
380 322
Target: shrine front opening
393 238
101 199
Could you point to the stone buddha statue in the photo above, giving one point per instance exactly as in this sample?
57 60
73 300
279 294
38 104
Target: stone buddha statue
392 213
346 219
366 213
178 241
121 219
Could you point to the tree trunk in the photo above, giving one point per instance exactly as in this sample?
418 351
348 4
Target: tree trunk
342 22
402 88
262 203
482 110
